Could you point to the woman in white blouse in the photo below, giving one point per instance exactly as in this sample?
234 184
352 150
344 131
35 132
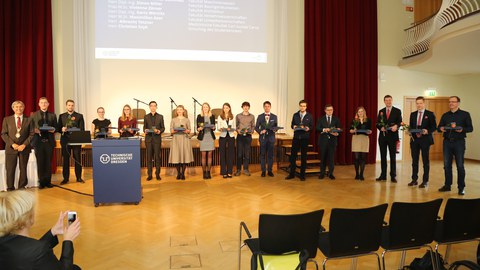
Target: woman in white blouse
226 126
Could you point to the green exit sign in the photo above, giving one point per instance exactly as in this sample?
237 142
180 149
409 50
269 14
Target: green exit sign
431 93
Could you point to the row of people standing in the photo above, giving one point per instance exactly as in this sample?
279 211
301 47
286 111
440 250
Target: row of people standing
181 150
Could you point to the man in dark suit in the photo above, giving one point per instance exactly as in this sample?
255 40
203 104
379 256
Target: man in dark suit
67 120
44 141
17 132
423 120
388 122
266 128
302 123
327 141
154 127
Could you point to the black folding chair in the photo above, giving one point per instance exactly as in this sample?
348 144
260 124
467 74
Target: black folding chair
461 223
353 233
283 234
411 226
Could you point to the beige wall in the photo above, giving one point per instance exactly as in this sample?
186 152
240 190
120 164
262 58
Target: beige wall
392 20
392 80
468 93
63 52
295 56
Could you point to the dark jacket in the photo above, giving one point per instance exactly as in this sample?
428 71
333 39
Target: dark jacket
201 120
262 125
307 121
322 123
20 252
38 121
153 121
76 120
394 119
428 122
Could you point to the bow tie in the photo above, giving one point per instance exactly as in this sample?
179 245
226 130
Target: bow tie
267 114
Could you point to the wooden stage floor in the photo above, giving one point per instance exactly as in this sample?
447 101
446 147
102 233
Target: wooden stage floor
195 223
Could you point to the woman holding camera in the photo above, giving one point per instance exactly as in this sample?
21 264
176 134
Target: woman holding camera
181 152
18 250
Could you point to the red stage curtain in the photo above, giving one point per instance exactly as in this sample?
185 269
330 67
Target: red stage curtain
26 61
341 64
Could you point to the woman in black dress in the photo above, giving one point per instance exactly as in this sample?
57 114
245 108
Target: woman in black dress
101 126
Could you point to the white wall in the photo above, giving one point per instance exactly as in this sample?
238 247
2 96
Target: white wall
468 93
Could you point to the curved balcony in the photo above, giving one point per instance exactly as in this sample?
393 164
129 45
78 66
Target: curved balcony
447 42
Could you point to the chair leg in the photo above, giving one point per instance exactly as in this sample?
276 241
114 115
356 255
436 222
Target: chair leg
354 263
378 261
432 257
402 259
383 259
437 257
447 253
314 261
240 250
324 263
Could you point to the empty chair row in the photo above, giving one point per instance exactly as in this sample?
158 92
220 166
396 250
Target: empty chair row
291 241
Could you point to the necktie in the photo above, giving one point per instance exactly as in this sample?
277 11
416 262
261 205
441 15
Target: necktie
388 113
419 121
19 123
328 120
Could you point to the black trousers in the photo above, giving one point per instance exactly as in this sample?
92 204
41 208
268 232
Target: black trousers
153 153
227 152
391 145
302 146
416 146
44 154
244 146
454 149
11 166
327 155
67 151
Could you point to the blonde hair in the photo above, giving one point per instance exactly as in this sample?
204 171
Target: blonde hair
364 112
17 211
124 116
183 114
209 110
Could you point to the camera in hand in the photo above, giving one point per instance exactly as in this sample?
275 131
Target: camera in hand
71 217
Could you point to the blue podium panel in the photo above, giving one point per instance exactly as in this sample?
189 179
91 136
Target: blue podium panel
116 171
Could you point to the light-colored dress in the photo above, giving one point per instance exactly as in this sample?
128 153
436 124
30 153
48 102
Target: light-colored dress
207 144
361 142
181 147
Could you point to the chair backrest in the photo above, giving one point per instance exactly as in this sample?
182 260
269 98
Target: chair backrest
412 224
278 234
461 221
216 112
355 231
140 116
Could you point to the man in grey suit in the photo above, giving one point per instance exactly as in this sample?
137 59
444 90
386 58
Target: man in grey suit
17 132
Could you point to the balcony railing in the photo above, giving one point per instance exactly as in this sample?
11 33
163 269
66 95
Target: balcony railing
419 36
